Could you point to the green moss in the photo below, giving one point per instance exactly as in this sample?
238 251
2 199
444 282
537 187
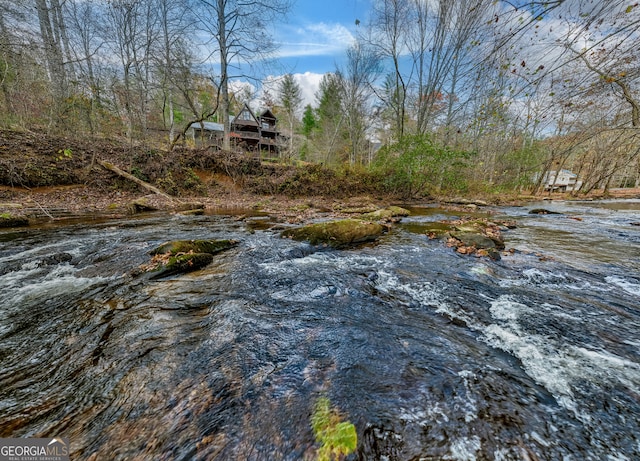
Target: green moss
337 234
337 438
386 213
194 246
429 228
183 263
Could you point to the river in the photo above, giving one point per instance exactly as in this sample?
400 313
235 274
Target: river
430 354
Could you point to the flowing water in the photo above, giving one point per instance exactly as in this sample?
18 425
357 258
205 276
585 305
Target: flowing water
430 354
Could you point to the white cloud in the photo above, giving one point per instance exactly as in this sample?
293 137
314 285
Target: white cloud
319 39
309 83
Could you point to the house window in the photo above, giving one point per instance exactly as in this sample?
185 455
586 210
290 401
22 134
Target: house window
245 116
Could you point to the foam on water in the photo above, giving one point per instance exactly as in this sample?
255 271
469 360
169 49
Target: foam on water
22 288
464 449
426 293
631 287
550 362
536 277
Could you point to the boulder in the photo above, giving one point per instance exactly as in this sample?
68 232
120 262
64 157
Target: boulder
141 205
386 214
7 220
337 234
181 263
196 212
471 239
194 246
477 237
181 256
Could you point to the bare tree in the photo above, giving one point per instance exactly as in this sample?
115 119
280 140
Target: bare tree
356 79
239 30
387 37
133 25
439 45
175 23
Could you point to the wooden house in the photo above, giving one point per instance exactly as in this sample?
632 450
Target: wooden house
247 131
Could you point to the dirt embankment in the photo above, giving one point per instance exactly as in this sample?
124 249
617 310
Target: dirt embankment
53 176
45 176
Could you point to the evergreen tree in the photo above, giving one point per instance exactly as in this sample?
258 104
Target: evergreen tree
290 100
309 121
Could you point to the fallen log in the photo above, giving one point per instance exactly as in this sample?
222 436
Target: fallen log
111 167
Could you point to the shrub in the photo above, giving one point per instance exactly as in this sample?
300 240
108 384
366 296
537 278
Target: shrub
416 166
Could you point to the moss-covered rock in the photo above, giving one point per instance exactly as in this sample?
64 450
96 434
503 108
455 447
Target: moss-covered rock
194 246
141 205
337 234
182 263
386 214
472 239
8 220
181 256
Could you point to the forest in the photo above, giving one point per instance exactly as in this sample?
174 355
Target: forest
434 96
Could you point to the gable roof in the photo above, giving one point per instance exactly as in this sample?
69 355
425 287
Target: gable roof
245 117
268 114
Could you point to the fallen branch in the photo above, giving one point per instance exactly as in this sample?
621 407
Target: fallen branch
111 167
43 210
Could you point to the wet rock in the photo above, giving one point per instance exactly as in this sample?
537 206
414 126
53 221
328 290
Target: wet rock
337 234
181 256
635 223
182 263
194 246
386 214
7 220
189 207
478 238
56 259
467 202
470 239
141 205
542 211
196 212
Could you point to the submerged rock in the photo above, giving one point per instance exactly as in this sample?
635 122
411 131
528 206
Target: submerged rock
542 211
337 234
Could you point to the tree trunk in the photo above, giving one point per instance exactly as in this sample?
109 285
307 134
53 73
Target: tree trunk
124 174
224 82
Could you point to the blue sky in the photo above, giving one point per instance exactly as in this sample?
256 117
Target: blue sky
313 40
318 32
